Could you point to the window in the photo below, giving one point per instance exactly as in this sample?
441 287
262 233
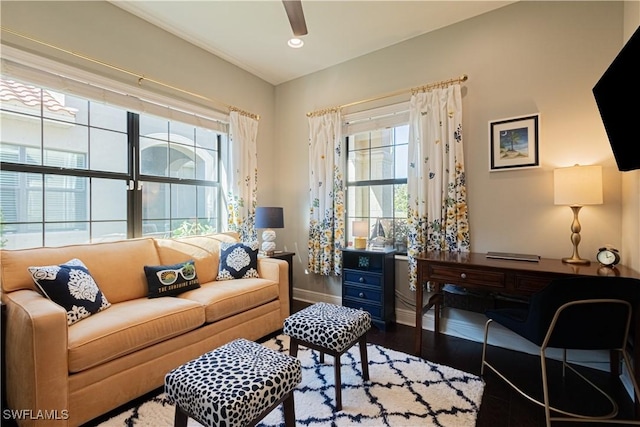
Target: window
74 170
377 184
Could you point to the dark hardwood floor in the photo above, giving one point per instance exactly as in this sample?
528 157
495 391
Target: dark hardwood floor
501 406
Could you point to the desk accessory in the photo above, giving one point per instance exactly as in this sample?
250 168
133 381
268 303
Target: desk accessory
608 256
575 187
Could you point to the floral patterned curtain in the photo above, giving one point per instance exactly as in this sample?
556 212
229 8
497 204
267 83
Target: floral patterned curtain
326 190
242 175
437 217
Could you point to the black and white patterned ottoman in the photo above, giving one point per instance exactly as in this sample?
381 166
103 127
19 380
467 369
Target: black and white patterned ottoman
331 329
235 385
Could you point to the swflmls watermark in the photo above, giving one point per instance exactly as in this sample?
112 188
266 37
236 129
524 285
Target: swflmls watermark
35 414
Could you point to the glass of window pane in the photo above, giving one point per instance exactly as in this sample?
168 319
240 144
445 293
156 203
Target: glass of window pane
66 199
109 151
401 164
358 166
65 147
56 234
206 165
183 201
154 127
381 138
207 138
156 228
108 199
153 157
108 231
382 163
66 108
155 201
207 204
108 117
181 132
359 201
181 161
360 141
381 201
18 134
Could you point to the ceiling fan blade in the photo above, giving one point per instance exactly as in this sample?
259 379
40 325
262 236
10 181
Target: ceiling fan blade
296 16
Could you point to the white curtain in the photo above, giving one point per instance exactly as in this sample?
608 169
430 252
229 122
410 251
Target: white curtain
437 217
242 176
326 191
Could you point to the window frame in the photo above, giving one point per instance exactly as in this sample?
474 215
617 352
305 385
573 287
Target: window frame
377 119
131 178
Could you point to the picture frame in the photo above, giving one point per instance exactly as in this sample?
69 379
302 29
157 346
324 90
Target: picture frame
514 143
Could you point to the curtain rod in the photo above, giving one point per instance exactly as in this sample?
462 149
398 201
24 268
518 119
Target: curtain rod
424 88
141 77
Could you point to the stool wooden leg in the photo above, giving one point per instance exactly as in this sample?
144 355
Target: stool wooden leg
364 361
180 418
293 347
289 411
336 368
321 356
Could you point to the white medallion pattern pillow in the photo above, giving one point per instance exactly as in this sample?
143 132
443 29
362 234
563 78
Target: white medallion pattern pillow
71 286
238 261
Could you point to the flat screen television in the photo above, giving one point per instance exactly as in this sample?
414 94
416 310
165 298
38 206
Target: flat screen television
617 95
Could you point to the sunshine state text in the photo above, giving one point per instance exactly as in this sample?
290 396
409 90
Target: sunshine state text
30 414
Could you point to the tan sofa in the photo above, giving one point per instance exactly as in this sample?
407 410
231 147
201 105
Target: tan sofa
76 373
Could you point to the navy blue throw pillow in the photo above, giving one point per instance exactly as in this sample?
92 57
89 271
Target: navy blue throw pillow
238 261
171 280
71 286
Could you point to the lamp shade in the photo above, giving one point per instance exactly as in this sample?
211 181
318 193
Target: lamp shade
578 185
269 217
360 228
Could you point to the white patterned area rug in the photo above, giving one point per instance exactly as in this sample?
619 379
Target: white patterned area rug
403 390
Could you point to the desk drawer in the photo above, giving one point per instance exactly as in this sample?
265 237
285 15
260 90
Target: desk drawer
466 276
529 283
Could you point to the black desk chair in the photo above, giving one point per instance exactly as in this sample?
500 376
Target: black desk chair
585 313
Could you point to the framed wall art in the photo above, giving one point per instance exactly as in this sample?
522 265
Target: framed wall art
514 143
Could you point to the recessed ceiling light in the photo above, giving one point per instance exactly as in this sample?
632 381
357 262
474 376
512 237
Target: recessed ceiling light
295 43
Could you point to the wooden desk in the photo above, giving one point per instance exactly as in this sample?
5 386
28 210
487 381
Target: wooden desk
476 271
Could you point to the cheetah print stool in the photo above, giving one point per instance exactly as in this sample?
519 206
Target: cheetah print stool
331 329
235 385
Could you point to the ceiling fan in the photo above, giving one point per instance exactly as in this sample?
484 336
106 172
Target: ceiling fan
296 16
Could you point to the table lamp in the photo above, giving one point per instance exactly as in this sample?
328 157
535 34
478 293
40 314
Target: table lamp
269 218
576 187
360 232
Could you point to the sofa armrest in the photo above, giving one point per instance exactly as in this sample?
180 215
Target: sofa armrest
278 271
36 357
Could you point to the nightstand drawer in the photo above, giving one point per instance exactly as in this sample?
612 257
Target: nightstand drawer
355 276
374 309
363 293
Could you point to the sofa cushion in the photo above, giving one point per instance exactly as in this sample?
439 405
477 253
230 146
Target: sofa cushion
227 298
171 280
238 261
111 264
71 286
128 327
204 250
